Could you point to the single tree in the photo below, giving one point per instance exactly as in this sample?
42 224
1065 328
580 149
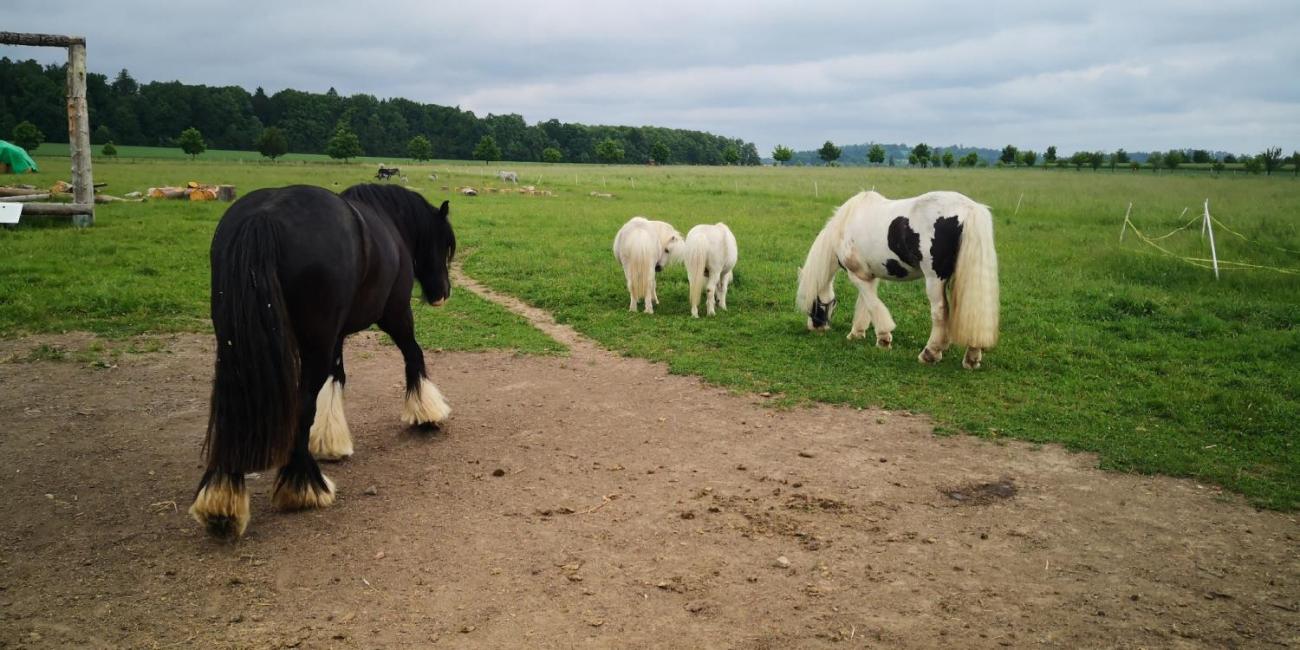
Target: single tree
1217 166
876 154
948 159
782 154
487 150
109 150
1230 159
1121 156
1133 165
191 142
27 136
1096 159
552 155
1029 157
1155 161
660 152
419 148
731 155
344 144
609 151
1050 156
1173 159
102 135
1079 159
1008 156
1295 163
1201 156
272 143
829 153
922 152
912 159
1271 158
1253 164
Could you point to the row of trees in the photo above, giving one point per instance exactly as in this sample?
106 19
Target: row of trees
125 111
922 155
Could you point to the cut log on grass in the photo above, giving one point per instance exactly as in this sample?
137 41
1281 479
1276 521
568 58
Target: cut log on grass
226 193
19 191
56 209
24 198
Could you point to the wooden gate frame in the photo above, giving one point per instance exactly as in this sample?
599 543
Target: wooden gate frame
82 208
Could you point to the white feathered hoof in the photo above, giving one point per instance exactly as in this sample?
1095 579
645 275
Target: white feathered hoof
330 438
302 493
929 357
972 359
425 406
885 340
221 507
857 334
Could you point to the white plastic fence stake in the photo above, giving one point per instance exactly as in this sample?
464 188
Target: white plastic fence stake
816 193
1125 226
1022 196
1214 255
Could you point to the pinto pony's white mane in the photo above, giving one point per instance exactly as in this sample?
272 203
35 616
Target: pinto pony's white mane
817 275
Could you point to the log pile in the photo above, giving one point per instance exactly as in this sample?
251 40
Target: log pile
194 191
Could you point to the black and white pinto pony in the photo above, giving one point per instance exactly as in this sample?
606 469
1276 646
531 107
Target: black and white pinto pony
295 270
645 247
711 255
943 237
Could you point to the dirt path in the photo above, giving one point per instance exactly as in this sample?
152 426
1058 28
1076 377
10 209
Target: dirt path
598 501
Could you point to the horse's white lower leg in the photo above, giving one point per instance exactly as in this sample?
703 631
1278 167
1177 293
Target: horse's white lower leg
425 405
938 343
861 317
330 438
304 496
711 298
972 358
722 291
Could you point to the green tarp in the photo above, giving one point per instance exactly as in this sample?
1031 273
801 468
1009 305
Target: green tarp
17 160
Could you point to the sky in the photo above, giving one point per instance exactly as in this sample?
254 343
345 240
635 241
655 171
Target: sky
1101 75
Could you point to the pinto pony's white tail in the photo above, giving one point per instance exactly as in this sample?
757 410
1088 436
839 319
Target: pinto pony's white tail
697 259
973 306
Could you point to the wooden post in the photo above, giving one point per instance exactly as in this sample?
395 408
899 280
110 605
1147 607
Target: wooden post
83 185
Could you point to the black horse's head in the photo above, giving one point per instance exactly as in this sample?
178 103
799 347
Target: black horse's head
433 258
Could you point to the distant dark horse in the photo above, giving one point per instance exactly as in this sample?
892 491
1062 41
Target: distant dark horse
294 271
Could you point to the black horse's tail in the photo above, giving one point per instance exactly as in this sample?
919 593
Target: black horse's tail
254 407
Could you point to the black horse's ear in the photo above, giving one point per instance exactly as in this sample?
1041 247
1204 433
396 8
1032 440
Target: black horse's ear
443 210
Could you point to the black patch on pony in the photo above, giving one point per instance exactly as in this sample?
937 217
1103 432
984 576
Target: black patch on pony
821 312
944 246
895 269
905 242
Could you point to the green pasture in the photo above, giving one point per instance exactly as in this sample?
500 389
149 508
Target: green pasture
1107 346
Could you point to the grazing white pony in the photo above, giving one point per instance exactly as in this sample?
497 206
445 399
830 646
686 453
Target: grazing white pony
508 176
710 253
644 248
943 237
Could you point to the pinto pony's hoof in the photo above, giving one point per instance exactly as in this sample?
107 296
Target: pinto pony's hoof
221 506
928 356
885 341
972 359
425 405
853 336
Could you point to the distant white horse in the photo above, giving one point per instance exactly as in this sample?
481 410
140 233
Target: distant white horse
944 237
508 176
645 247
710 254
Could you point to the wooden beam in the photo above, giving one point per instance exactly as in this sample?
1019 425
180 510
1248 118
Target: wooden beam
83 185
24 198
41 40
57 209
18 191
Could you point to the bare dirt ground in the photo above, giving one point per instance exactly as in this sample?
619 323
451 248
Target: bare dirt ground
598 501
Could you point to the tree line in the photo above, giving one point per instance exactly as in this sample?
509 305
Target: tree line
126 112
922 155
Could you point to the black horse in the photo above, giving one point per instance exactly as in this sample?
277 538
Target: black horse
296 270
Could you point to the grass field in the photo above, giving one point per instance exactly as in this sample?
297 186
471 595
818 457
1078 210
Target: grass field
1110 347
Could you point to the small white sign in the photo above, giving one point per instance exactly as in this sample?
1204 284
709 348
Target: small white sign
9 212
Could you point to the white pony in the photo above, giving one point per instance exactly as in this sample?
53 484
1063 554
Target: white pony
508 176
944 237
710 253
645 247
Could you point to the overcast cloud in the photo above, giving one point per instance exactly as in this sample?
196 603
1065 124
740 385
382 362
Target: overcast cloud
1081 75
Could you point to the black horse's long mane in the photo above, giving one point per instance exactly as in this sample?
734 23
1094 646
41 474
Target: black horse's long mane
429 230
